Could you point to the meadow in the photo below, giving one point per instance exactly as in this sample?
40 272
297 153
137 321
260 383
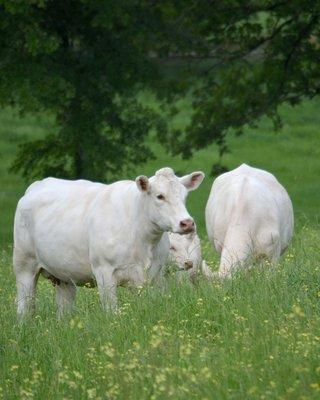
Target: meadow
256 336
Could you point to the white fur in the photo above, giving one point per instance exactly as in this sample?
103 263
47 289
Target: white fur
79 231
248 213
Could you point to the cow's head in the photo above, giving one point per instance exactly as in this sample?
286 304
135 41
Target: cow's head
165 196
185 251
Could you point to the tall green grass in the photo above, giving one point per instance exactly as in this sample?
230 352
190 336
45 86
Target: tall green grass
253 337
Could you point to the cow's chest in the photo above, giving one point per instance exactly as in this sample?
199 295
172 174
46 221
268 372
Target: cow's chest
133 267
132 274
126 253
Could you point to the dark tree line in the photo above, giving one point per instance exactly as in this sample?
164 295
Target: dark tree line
85 61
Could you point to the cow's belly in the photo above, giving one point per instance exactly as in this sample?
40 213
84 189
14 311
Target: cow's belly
69 261
67 266
65 270
62 251
64 265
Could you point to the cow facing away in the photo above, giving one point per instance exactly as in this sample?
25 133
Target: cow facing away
248 213
77 232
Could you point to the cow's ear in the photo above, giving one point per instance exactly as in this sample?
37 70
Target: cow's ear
192 181
143 183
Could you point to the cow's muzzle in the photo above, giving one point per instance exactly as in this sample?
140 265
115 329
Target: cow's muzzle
187 225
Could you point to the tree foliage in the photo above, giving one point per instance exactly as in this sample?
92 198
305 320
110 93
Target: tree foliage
86 60
259 55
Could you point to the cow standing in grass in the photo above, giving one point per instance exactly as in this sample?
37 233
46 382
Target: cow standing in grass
248 213
75 232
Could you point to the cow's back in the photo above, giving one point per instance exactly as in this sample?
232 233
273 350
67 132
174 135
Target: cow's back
55 199
62 186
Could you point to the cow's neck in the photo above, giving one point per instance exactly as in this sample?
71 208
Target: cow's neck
147 231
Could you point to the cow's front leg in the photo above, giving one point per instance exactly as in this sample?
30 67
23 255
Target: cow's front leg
65 294
156 273
107 286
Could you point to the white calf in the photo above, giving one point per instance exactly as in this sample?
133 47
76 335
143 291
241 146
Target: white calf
185 252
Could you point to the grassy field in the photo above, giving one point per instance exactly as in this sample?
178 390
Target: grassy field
254 337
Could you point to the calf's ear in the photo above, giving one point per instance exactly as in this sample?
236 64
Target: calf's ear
143 183
192 181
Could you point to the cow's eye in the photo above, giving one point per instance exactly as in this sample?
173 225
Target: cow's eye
160 197
173 248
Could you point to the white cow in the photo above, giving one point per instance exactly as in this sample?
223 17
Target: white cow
248 213
76 232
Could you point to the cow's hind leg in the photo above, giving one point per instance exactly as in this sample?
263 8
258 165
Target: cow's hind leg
107 287
26 270
270 246
65 294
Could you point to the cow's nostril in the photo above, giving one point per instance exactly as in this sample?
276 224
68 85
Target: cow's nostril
188 264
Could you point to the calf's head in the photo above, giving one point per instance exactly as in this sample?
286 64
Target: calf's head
165 196
185 251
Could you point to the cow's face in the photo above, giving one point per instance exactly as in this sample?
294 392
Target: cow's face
185 251
165 199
